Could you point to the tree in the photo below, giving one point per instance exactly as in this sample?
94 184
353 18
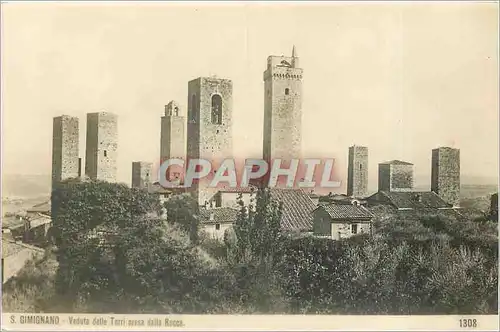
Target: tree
86 215
257 228
182 209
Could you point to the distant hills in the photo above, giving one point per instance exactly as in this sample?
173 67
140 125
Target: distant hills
15 186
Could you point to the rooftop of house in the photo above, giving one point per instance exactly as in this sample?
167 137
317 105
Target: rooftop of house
44 207
39 219
245 190
12 222
396 162
297 208
156 188
218 215
346 212
409 200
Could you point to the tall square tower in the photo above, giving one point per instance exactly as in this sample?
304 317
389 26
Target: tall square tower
65 151
282 108
101 146
172 143
395 175
141 174
445 174
210 124
357 171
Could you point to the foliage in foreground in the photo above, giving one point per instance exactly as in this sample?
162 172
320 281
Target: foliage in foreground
132 261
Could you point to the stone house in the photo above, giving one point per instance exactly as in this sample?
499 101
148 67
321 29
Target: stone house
414 200
228 196
38 222
297 205
416 204
338 221
214 222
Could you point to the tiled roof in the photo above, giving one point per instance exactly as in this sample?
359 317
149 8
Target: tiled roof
251 188
343 212
44 208
297 208
396 162
220 215
39 219
411 200
12 222
156 188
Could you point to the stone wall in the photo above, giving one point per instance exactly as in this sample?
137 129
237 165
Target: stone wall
65 152
173 141
22 253
282 109
401 177
141 174
344 230
357 172
445 175
230 199
101 146
384 177
206 139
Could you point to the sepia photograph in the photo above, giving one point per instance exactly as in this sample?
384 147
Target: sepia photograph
250 165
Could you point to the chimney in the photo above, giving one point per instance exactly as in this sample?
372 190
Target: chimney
211 216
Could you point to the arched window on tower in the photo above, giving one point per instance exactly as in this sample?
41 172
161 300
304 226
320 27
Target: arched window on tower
216 109
176 111
287 91
192 118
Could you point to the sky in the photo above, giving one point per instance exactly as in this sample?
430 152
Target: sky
399 78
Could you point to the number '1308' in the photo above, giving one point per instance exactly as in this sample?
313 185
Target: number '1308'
471 322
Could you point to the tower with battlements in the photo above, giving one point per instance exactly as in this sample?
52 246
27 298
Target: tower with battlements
101 146
357 171
282 108
65 149
209 127
445 174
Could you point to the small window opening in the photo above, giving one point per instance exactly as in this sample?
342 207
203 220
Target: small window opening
354 229
216 109
287 91
105 153
217 227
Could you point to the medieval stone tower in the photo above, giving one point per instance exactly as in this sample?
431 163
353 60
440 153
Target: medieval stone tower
445 174
172 142
65 152
102 146
209 128
141 174
282 108
357 171
395 175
